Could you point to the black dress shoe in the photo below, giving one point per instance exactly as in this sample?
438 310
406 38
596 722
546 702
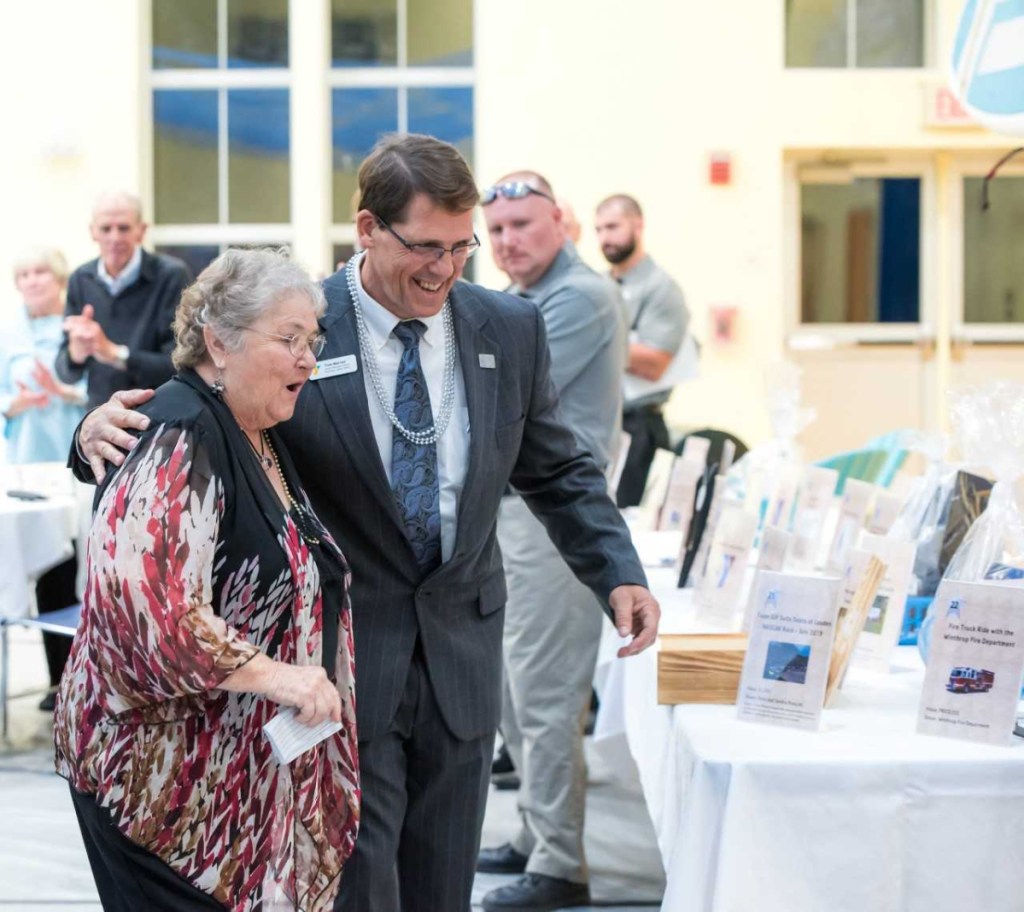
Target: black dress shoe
49 702
502 763
537 893
501 860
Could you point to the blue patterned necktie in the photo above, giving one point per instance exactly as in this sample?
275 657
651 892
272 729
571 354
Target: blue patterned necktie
413 465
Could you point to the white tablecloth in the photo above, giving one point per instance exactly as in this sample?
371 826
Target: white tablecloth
863 816
34 535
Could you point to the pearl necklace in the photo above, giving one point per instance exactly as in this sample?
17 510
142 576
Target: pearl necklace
430 435
303 522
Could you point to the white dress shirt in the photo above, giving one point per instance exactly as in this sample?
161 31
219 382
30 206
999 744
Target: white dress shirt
115 285
453 447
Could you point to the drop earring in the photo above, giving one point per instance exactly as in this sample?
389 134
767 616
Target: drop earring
218 386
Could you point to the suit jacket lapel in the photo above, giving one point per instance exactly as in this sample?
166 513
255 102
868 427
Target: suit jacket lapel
344 397
481 385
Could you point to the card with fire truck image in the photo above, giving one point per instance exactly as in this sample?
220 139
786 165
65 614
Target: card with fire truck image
975 662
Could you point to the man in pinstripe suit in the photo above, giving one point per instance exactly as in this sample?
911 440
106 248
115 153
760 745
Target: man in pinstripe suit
428 633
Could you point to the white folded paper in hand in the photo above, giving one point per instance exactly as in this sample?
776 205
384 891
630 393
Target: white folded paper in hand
289 737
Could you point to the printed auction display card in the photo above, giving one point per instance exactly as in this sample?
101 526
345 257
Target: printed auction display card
706 515
881 631
812 506
677 512
883 512
857 590
657 487
856 497
786 667
975 663
772 556
719 595
779 511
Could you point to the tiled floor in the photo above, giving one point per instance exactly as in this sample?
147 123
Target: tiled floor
43 867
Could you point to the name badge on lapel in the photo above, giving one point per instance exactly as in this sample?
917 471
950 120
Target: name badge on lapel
334 367
487 360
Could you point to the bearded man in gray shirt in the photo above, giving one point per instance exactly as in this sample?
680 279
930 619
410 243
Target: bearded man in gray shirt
552 627
658 323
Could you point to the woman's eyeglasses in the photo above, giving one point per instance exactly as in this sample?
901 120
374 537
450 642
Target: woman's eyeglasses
297 345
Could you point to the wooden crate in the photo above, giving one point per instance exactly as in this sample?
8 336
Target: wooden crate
700 667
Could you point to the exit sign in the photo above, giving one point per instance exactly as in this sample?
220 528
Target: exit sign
943 109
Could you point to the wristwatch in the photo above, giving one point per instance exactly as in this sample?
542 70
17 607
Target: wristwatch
122 355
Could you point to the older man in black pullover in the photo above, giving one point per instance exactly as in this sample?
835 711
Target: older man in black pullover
120 306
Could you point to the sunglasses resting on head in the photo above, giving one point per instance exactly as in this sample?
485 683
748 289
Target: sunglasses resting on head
512 190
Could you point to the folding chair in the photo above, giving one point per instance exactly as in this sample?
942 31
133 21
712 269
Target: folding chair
63 622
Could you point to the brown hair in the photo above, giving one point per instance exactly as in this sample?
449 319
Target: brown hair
624 201
402 165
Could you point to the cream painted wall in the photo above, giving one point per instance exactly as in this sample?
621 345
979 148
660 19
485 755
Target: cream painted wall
608 101
71 107
635 98
599 95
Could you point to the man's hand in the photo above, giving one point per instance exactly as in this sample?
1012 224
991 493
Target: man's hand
103 437
86 338
636 612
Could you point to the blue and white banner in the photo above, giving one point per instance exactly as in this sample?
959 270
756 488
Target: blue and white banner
988 63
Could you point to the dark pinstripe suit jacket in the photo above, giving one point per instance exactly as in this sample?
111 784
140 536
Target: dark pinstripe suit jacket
515 435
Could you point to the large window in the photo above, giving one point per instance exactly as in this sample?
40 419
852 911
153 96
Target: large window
860 243
226 95
993 264
855 33
397 65
221 133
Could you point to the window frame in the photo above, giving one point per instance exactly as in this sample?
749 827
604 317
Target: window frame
975 164
310 80
400 77
222 80
806 167
928 42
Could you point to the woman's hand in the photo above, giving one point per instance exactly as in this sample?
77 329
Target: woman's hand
306 687
51 385
26 399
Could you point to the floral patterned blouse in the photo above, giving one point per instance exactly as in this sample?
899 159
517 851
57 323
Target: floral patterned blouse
194 567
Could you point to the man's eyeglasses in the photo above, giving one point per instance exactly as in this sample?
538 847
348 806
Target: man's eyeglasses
426 252
511 190
297 345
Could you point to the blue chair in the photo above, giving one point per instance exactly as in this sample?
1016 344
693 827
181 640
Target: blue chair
63 622
876 462
913 617
895 444
862 465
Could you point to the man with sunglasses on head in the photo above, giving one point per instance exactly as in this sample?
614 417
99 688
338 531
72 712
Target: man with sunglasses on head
552 620
430 397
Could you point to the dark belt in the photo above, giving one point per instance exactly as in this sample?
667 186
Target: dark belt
655 408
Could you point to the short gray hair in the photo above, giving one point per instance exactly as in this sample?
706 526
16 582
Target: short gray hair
50 257
117 199
231 294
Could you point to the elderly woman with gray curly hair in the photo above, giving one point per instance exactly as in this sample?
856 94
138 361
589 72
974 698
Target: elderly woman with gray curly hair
215 598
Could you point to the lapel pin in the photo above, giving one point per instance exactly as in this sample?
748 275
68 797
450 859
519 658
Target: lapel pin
487 360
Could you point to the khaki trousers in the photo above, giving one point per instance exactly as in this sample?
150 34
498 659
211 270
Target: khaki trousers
552 630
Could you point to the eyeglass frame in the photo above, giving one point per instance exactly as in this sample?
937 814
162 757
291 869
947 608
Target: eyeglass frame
314 343
512 190
418 250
